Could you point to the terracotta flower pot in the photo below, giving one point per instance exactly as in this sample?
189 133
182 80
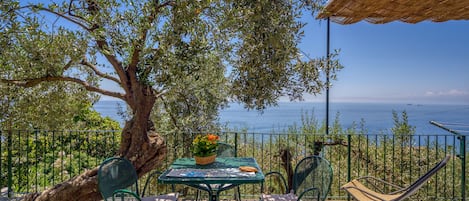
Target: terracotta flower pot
204 160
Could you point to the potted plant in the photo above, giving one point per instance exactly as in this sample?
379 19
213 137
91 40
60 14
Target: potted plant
204 148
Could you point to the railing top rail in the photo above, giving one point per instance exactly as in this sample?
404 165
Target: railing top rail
445 126
272 133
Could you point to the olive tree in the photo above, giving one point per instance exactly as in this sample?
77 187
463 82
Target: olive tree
178 57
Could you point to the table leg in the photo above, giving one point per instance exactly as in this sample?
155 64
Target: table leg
213 195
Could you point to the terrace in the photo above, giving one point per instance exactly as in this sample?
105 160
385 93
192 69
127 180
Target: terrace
31 161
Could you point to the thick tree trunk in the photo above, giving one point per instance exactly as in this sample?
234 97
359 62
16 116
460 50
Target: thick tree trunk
140 144
82 187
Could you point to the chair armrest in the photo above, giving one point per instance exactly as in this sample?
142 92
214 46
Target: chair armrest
370 178
122 193
279 175
308 190
149 178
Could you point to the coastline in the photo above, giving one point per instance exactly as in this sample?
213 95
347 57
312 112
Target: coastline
377 116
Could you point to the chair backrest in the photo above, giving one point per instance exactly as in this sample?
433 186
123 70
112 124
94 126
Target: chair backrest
423 179
313 172
225 150
116 173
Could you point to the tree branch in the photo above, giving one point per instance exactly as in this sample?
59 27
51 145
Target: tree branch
71 14
62 16
98 72
101 43
167 3
114 62
160 94
34 82
68 65
171 115
140 43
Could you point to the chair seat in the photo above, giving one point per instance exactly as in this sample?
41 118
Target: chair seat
165 197
361 192
283 197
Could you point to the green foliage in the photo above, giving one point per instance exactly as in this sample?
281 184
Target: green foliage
41 159
402 126
402 130
88 119
55 106
47 106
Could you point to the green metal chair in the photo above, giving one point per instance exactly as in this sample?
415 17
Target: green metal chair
312 180
223 150
117 179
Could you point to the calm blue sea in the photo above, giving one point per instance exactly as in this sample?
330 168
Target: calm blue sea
377 116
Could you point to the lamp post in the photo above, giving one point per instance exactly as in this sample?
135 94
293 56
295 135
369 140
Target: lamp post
327 74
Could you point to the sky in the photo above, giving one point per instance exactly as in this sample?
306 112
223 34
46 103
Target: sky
423 63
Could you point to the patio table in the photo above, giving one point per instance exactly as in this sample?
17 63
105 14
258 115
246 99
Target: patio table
222 171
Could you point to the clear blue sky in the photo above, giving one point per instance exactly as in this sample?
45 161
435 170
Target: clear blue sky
396 62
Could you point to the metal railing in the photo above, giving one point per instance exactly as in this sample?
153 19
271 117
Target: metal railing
31 161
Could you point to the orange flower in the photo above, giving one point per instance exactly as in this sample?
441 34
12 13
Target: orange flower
212 137
205 145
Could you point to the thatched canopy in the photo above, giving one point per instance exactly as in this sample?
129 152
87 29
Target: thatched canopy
384 11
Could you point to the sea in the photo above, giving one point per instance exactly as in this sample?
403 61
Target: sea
376 116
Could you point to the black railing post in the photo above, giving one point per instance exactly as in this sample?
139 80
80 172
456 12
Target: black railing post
2 140
462 156
236 144
10 174
36 160
328 73
349 160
